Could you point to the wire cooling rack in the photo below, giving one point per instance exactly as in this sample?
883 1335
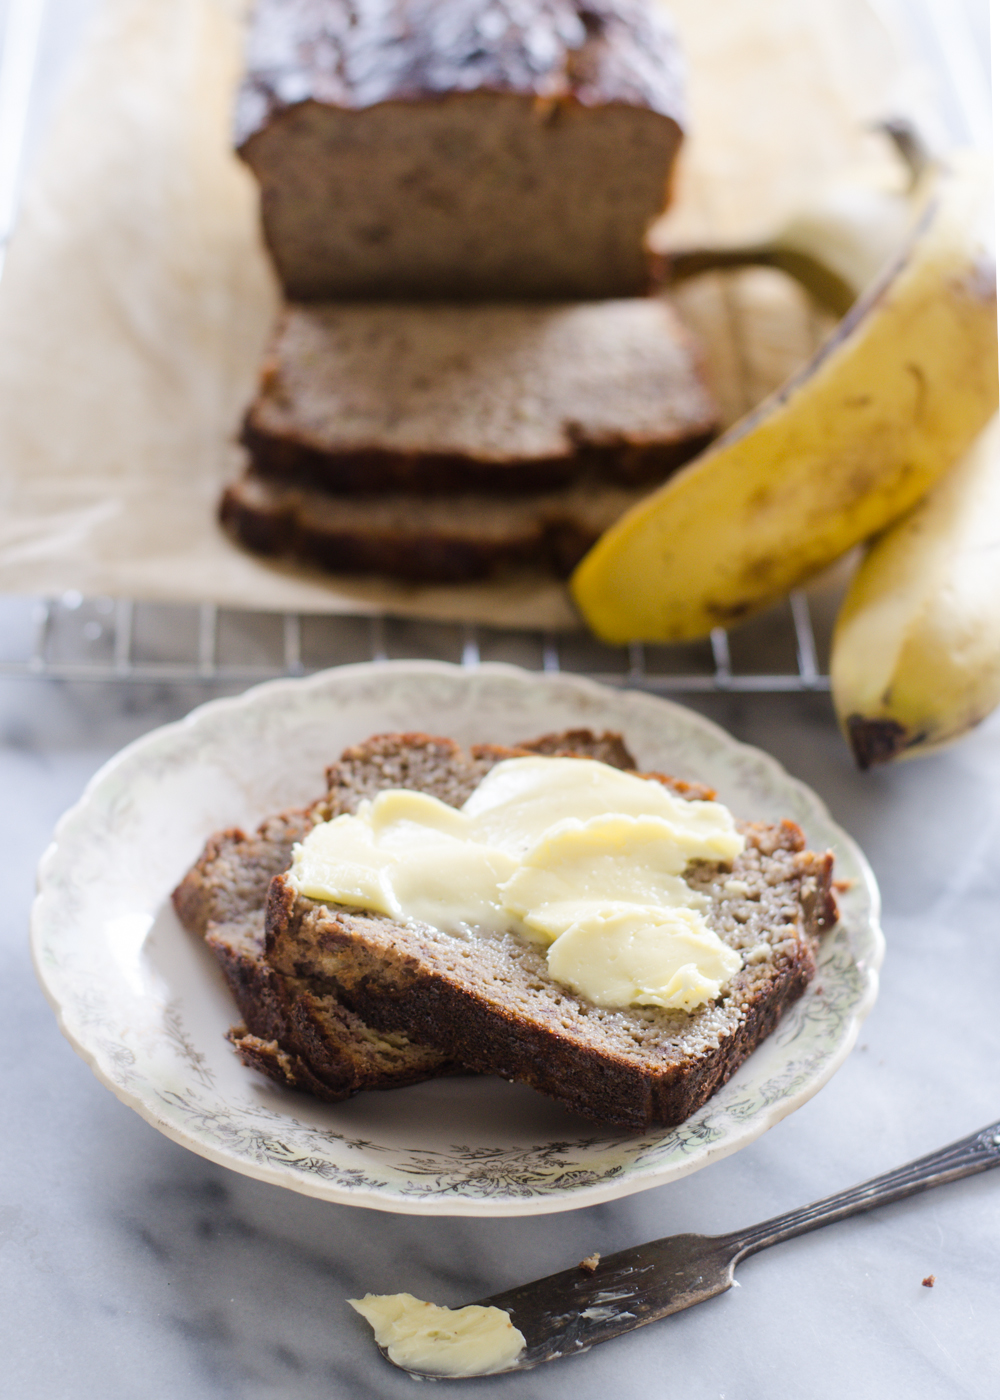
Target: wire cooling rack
73 638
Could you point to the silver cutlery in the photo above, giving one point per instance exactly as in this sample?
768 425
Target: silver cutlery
568 1313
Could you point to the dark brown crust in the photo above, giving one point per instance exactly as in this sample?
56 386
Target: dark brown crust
267 1057
279 521
288 459
200 900
353 56
608 747
257 990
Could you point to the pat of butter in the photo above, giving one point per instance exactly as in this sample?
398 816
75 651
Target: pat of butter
634 956
472 1341
617 859
569 852
421 863
519 800
341 862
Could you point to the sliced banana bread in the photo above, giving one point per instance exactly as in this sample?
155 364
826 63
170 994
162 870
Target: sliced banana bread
298 1034
470 148
488 1000
437 539
302 1038
513 398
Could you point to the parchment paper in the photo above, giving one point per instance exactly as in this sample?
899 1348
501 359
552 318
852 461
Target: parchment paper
136 298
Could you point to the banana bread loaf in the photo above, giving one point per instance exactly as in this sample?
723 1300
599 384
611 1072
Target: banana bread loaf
469 148
364 398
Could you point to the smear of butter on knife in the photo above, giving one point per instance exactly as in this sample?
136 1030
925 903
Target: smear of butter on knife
470 1341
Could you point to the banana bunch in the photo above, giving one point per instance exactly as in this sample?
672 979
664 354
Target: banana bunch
916 649
848 445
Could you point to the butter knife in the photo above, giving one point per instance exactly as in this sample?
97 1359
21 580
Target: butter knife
568 1313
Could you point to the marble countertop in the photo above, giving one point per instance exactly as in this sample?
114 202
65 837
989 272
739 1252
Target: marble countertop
132 1267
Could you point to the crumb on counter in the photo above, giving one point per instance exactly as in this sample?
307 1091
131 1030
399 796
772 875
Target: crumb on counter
589 1265
929 1281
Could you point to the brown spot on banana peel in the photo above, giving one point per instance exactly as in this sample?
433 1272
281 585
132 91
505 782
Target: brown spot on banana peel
876 740
921 383
759 569
761 500
725 614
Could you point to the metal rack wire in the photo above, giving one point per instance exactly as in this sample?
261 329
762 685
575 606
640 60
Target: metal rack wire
72 638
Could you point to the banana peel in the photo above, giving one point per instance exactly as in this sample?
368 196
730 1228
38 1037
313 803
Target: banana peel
846 446
916 648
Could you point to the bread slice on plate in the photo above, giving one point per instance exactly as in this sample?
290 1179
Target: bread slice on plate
300 1036
435 148
486 1001
303 1038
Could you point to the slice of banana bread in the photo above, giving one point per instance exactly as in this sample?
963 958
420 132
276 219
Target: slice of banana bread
438 539
297 1033
488 999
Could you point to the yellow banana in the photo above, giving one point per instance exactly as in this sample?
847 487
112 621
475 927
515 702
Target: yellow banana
916 650
847 445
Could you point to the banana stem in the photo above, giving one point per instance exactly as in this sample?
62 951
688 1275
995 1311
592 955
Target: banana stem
829 290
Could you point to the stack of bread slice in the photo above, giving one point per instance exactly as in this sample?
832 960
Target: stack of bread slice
467 374
335 999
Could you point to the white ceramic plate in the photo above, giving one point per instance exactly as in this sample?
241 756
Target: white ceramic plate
145 1005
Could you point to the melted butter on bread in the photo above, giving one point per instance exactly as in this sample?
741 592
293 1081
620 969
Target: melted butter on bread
569 852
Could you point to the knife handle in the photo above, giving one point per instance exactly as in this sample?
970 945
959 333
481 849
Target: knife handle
976 1153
